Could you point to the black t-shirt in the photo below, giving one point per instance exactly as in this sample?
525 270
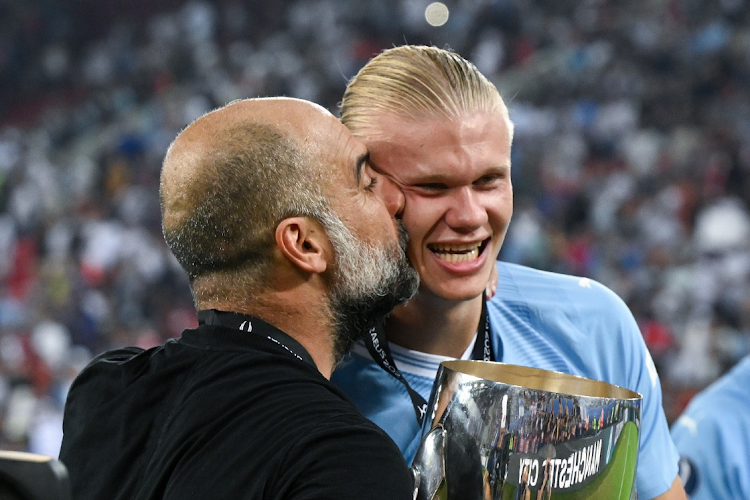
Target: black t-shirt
221 414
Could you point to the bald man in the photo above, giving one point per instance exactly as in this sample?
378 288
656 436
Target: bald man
292 247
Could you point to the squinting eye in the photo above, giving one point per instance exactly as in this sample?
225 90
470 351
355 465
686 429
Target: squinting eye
488 180
431 186
372 182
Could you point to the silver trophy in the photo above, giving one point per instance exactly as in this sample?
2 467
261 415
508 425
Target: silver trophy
497 431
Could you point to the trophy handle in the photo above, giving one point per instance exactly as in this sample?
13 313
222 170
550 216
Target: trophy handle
428 466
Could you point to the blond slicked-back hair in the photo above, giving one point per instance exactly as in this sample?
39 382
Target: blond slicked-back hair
417 81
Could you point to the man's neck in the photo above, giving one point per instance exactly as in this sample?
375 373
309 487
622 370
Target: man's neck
435 326
304 318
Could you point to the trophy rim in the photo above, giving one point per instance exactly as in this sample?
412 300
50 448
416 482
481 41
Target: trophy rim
525 377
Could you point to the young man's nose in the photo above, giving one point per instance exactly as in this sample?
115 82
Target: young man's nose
466 211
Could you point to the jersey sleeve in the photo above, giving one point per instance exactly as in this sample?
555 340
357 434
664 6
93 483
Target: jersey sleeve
713 440
657 457
579 326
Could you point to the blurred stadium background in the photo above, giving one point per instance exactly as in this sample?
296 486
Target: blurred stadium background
631 161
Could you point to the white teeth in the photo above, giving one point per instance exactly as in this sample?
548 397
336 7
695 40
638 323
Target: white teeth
458 257
456 248
456 253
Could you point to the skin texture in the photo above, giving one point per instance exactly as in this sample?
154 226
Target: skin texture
675 492
455 175
296 296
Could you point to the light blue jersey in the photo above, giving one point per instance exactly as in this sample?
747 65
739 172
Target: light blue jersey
713 438
542 320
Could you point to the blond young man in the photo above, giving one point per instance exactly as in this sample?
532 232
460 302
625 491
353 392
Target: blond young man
436 126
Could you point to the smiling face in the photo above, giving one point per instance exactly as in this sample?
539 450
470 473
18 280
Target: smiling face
455 175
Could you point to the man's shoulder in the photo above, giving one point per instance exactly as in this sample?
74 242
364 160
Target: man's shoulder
529 277
708 436
532 273
732 391
116 356
562 322
107 368
535 287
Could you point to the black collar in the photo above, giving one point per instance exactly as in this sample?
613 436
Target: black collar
251 324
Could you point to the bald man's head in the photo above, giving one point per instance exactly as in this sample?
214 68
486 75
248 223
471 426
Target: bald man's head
238 188
232 175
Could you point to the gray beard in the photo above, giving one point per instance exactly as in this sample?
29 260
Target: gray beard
369 283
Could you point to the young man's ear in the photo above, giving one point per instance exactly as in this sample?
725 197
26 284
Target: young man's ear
303 241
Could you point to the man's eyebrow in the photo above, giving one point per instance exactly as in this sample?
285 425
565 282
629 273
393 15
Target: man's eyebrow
361 161
446 177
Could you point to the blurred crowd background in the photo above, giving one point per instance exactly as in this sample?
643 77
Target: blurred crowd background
631 161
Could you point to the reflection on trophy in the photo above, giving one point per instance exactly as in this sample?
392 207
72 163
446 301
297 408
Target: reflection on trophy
496 431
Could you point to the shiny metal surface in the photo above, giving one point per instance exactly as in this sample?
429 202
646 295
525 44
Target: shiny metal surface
497 431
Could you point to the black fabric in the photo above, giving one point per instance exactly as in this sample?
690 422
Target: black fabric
221 414
245 323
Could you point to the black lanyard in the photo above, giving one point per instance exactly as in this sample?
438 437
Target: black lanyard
377 344
245 323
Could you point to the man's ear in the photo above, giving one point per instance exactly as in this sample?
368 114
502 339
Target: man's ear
303 241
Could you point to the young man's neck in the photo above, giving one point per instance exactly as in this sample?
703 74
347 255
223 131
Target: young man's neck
436 326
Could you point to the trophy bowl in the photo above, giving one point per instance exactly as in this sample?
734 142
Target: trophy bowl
497 431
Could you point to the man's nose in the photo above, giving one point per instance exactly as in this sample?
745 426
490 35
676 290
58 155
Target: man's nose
392 196
466 212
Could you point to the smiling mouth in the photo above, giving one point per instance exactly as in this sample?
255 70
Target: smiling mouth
458 253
